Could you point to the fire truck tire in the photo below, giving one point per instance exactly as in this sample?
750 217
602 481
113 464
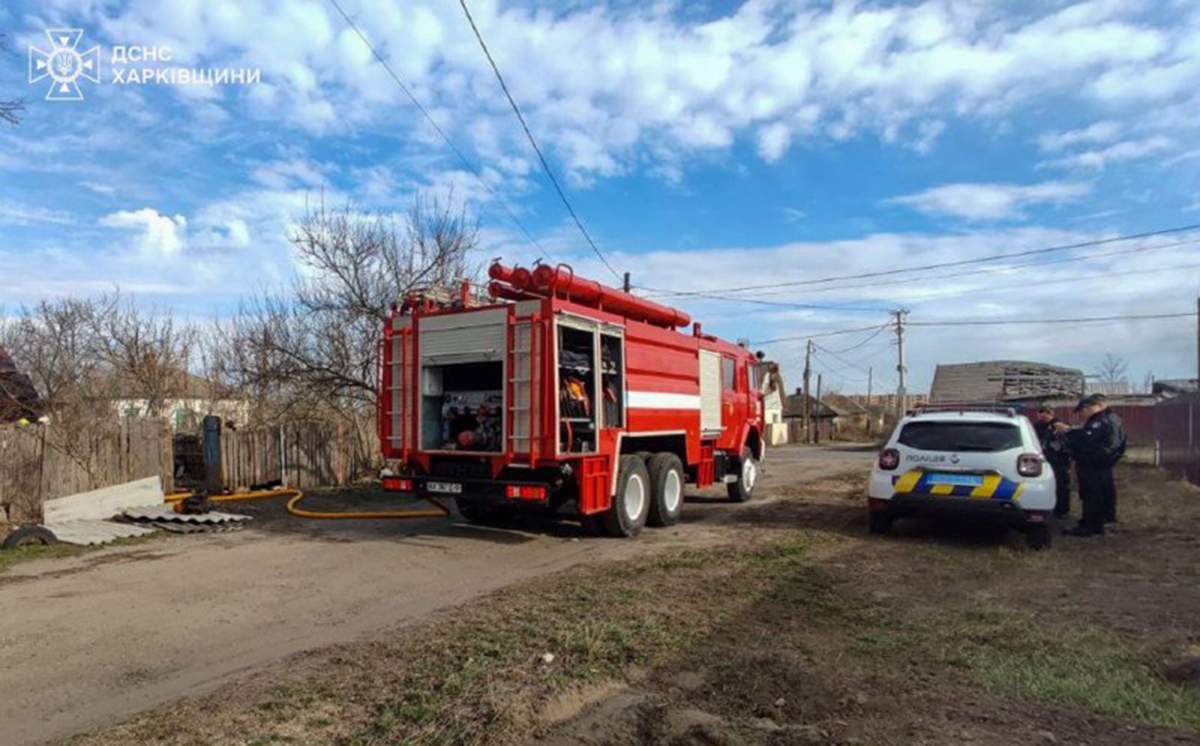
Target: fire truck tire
645 456
666 489
631 503
742 490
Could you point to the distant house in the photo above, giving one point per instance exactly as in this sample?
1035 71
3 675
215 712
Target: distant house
1169 387
1003 381
193 397
19 398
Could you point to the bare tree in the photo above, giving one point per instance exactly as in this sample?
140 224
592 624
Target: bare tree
1113 369
52 343
145 351
10 109
315 352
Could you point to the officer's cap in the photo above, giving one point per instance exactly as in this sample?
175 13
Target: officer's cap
1090 400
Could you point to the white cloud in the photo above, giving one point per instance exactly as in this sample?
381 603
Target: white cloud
793 215
19 213
159 235
1122 151
1100 132
604 86
990 201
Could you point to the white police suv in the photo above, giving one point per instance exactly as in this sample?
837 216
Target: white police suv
975 463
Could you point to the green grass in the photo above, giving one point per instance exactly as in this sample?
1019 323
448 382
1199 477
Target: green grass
1011 652
10 558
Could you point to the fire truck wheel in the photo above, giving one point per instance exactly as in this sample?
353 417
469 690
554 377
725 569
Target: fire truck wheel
743 489
666 489
631 503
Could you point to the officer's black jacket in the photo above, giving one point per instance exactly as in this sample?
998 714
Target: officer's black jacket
1100 442
1054 445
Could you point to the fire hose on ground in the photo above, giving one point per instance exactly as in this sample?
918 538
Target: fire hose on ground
440 510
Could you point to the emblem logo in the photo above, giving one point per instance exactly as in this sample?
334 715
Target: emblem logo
64 64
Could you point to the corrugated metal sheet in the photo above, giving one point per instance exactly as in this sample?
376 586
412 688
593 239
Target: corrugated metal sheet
92 532
166 513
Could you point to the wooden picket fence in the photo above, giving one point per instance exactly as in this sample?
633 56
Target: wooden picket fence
302 455
39 462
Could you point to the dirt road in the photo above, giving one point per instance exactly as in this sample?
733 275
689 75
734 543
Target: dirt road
91 640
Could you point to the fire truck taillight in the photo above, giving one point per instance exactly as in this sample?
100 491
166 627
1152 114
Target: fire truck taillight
525 492
1029 465
889 458
397 485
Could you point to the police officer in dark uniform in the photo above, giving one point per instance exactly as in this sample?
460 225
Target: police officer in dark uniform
1096 446
1054 447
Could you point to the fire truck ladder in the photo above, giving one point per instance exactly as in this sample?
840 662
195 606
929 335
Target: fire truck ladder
522 380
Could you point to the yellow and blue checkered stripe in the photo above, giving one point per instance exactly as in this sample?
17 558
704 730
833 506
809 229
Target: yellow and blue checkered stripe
994 487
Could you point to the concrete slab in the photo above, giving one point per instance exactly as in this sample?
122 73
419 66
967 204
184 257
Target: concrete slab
104 503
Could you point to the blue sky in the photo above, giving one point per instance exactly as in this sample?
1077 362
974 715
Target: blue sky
705 146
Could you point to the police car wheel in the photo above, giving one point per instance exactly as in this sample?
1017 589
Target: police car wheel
878 522
1038 535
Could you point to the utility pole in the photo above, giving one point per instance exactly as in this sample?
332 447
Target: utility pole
1198 339
901 392
628 283
808 348
817 429
870 379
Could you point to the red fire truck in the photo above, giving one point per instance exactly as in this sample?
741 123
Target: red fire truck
564 391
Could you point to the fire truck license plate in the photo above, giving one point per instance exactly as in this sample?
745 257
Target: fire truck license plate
448 488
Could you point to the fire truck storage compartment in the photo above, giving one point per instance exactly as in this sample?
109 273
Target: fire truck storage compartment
462 406
462 381
576 390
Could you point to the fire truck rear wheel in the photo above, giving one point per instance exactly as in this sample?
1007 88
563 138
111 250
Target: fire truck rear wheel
631 503
666 489
742 490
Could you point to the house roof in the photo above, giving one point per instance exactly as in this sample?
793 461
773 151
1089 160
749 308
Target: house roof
793 406
1177 386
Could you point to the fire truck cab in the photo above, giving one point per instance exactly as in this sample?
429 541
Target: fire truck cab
565 391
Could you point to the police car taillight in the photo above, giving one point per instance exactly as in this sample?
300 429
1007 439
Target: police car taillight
1029 465
889 458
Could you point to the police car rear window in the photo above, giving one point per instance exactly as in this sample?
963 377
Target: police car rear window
960 436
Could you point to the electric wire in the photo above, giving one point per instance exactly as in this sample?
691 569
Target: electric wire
992 270
470 165
864 342
1082 320
936 265
533 142
818 335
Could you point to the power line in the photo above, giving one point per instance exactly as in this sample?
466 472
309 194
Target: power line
1060 281
799 306
441 133
994 270
1084 320
847 363
813 336
533 142
937 265
869 337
